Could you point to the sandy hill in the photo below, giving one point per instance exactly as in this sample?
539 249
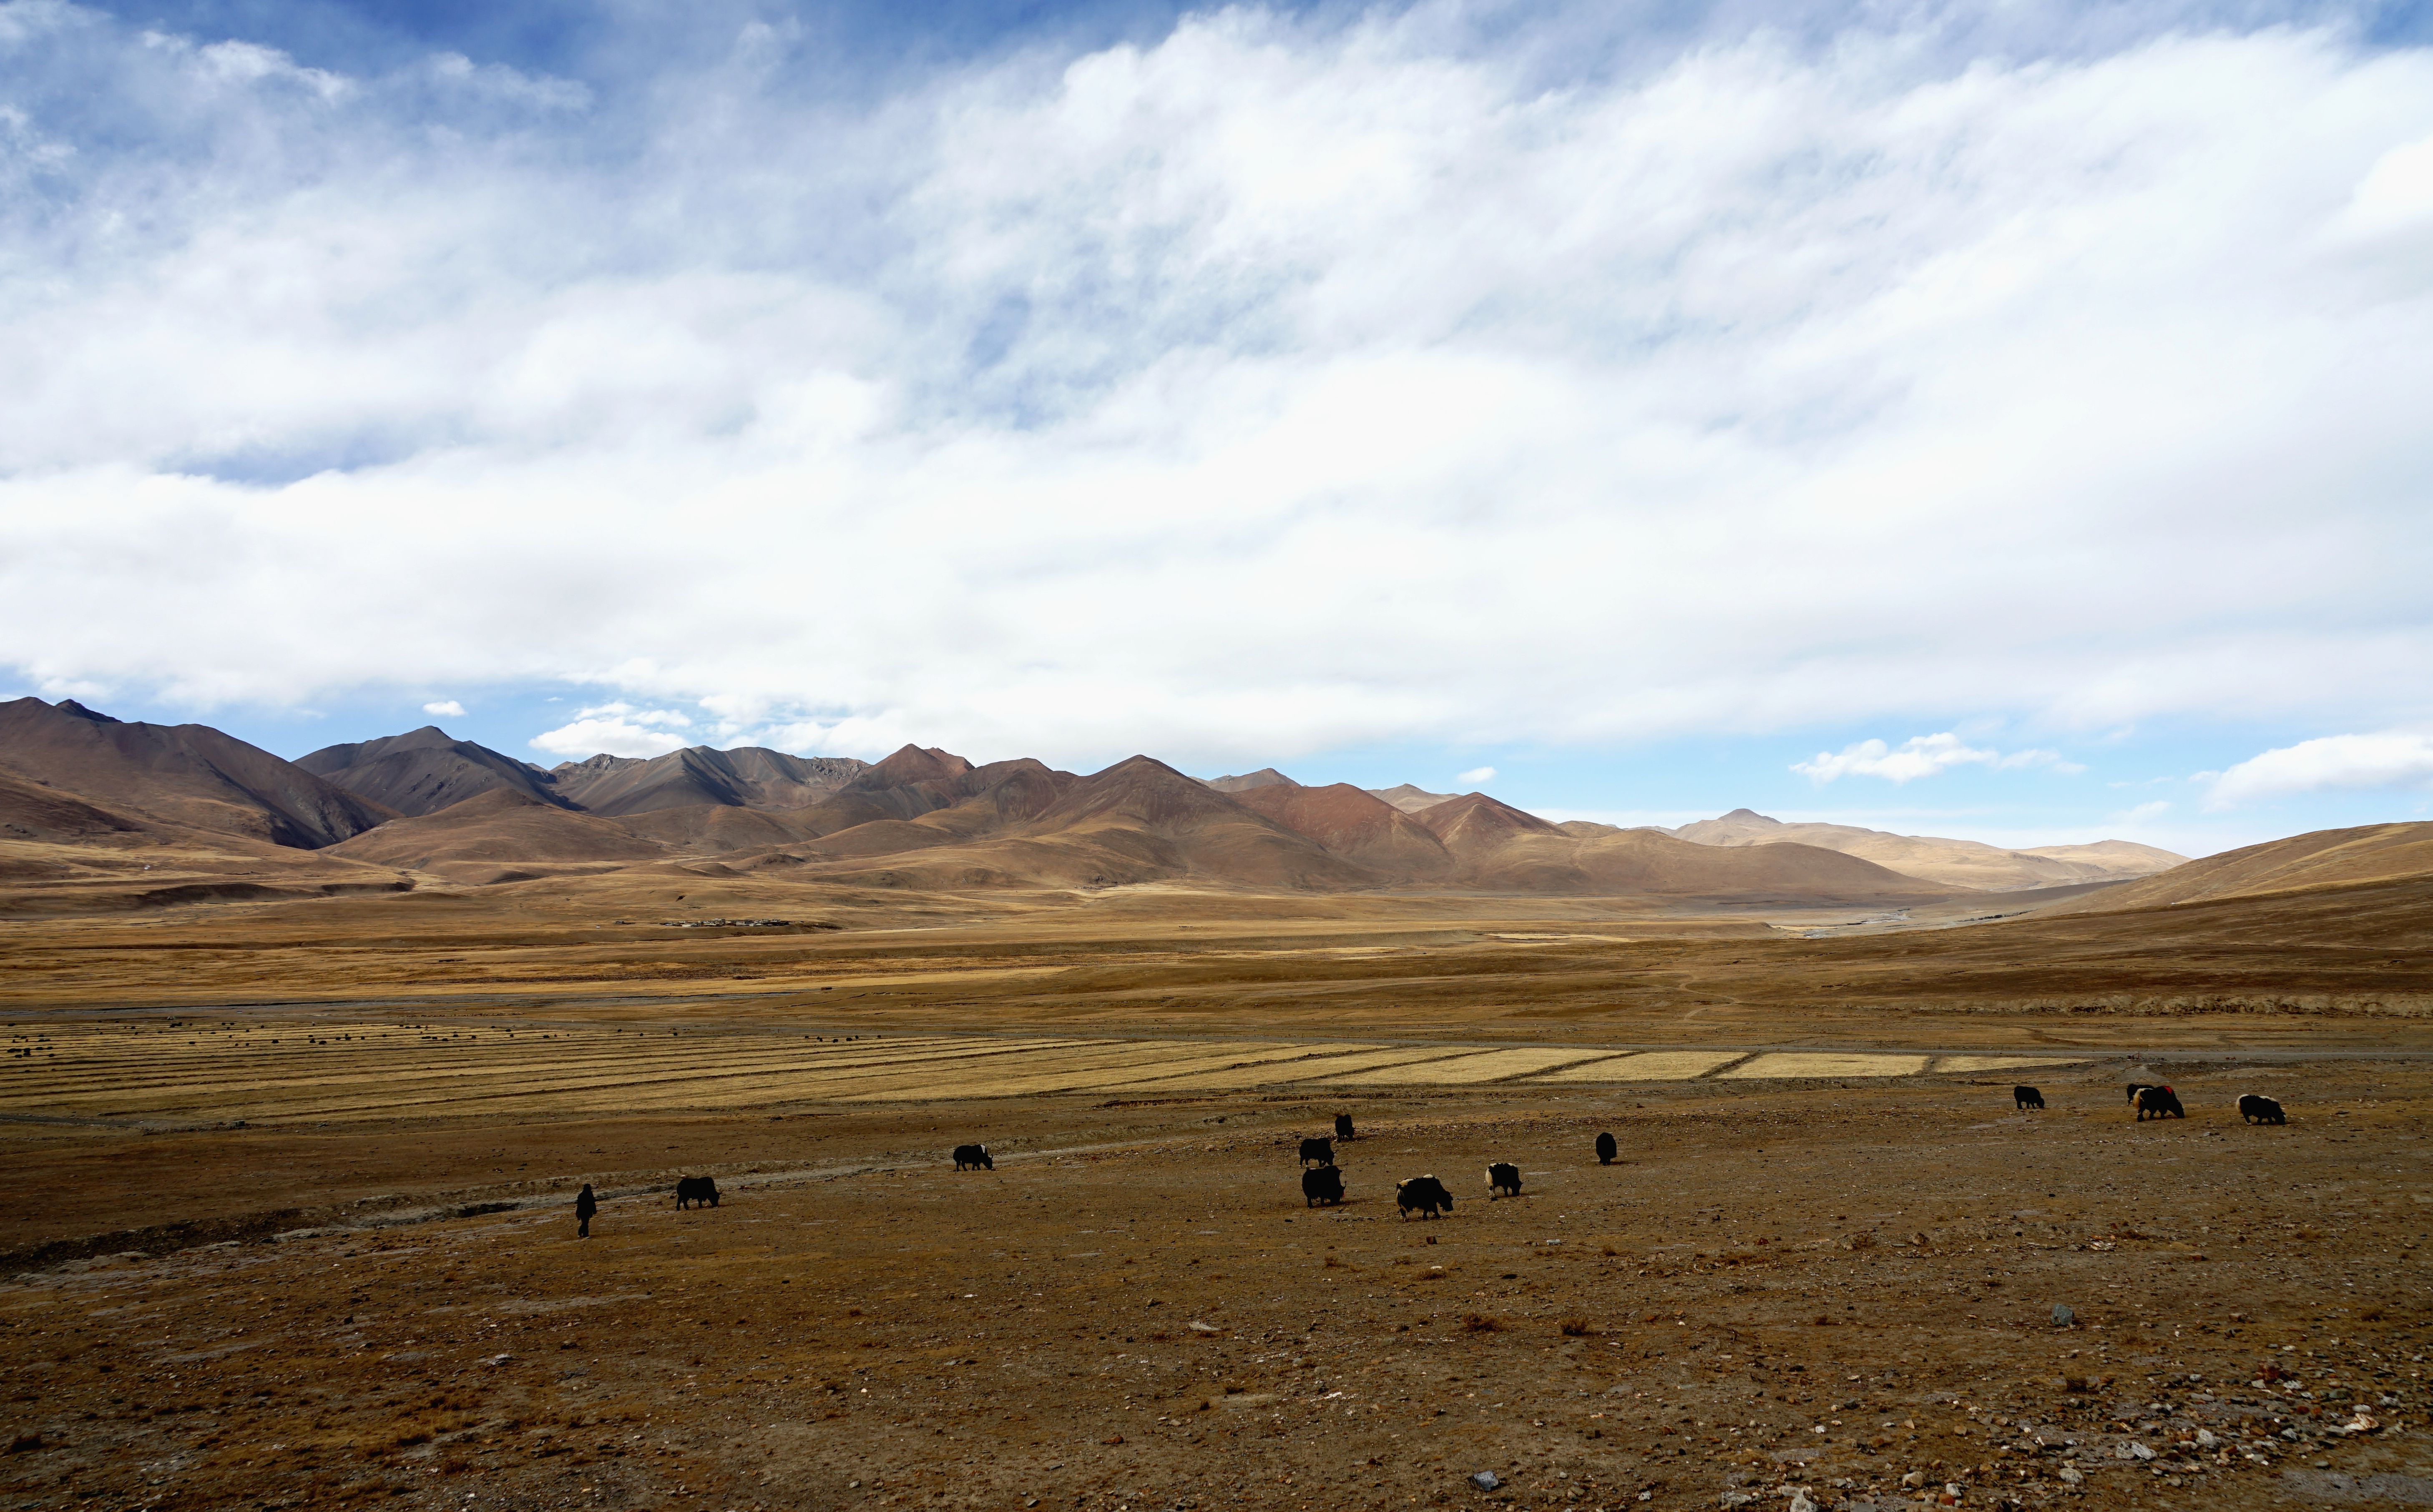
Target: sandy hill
497 827
187 774
2324 858
424 771
1408 799
749 778
1960 864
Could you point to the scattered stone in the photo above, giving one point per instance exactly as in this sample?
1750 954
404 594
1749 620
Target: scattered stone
2061 1314
1485 1480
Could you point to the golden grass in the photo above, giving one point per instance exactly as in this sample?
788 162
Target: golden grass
1817 1063
1653 1065
1486 1065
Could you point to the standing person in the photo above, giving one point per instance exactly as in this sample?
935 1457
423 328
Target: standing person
585 1205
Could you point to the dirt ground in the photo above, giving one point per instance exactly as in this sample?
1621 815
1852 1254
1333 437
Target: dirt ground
1844 1291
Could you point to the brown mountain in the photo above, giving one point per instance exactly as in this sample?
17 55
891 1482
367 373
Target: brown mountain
2324 858
499 826
188 775
1356 824
1474 825
1408 799
426 770
1264 777
749 778
1963 864
31 811
1646 862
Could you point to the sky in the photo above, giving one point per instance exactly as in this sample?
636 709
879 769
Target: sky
2001 421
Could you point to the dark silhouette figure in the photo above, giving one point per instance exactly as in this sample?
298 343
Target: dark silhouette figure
585 1205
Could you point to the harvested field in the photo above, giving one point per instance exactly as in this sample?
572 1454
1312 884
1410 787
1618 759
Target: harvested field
214 1073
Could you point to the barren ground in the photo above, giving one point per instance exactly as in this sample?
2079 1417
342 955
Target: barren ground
1135 1310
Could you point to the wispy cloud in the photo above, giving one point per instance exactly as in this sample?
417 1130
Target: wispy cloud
446 709
1921 756
1475 777
2390 759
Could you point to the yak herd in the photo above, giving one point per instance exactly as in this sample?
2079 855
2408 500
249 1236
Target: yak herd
1321 1180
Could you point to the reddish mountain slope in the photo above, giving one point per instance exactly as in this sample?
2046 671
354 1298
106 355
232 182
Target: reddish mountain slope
188 775
1358 826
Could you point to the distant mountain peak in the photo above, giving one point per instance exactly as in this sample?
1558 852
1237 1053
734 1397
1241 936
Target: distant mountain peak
1264 777
69 705
1747 816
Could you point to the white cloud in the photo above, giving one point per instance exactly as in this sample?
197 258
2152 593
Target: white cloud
446 708
2391 759
1921 756
618 729
1475 777
1276 386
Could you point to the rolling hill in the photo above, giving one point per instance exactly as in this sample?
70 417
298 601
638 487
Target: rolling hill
1961 863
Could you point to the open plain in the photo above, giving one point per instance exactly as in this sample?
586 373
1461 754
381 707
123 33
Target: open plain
295 1178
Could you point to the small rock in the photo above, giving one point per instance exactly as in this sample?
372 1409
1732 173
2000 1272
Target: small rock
1799 1502
1913 1479
2062 1316
1485 1480
2207 1439
2139 1450
2069 1475
1734 1499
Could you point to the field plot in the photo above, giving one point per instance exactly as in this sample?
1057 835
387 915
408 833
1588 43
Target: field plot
1655 1065
1803 1065
358 1072
1486 1065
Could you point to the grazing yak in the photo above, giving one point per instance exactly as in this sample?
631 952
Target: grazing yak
2260 1110
692 1189
2134 1088
2158 1102
2023 1099
972 1158
1503 1179
1424 1194
1320 1150
1605 1148
1343 1127
1322 1184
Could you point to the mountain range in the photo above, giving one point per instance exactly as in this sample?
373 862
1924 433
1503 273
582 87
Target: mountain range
423 806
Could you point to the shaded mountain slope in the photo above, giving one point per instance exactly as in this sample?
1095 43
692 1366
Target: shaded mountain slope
424 771
748 778
31 811
188 775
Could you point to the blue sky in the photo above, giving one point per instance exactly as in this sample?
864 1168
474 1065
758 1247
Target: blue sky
2001 421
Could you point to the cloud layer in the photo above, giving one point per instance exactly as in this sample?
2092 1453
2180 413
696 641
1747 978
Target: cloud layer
1921 756
1277 386
2391 759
